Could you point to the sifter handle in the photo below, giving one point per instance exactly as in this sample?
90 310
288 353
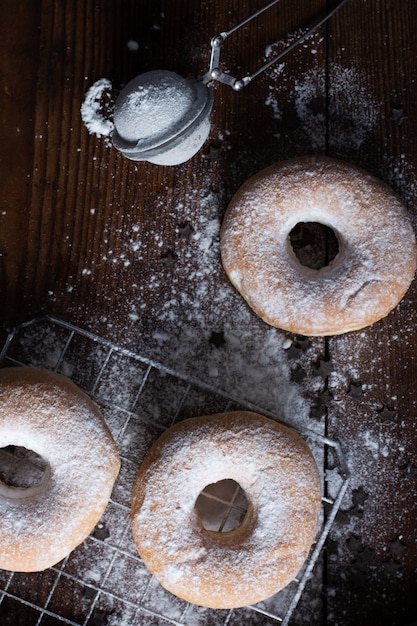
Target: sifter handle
216 73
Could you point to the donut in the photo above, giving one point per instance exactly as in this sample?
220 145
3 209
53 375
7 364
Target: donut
46 413
223 570
373 268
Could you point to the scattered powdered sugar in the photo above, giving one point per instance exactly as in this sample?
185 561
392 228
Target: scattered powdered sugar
133 45
339 95
353 111
401 175
208 328
375 438
96 122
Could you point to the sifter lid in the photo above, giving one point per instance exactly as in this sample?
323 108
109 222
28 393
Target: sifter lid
156 109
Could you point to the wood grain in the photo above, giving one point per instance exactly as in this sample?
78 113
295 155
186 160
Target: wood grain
101 241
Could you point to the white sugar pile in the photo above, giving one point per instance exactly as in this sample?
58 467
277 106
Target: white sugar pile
96 122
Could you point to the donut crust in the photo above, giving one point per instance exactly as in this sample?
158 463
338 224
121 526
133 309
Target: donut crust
371 273
47 413
223 570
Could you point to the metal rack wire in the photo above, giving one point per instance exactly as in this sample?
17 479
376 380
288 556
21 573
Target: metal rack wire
104 581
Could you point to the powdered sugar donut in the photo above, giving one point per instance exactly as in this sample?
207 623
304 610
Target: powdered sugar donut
46 413
372 271
277 471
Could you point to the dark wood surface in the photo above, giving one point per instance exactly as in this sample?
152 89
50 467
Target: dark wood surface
129 250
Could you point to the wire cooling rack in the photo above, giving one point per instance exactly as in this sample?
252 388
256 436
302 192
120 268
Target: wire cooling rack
103 581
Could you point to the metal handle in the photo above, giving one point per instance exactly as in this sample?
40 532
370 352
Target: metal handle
216 73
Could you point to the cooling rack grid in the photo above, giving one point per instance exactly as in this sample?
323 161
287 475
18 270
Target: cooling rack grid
103 581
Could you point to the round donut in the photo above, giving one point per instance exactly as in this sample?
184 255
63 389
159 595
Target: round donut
223 570
371 272
46 413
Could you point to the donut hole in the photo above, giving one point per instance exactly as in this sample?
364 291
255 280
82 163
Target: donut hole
222 506
21 468
315 245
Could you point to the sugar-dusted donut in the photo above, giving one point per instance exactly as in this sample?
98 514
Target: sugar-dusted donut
372 271
46 413
277 471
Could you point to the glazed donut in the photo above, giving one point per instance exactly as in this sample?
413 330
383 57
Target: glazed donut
371 272
46 413
223 570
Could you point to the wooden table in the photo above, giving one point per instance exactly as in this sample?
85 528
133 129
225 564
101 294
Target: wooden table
129 251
